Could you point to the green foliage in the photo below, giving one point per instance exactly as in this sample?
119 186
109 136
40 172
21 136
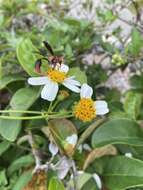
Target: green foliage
79 75
118 131
136 44
119 174
21 100
132 104
10 79
23 180
55 184
26 58
29 124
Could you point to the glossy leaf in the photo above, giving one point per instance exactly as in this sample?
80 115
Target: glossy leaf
26 56
24 98
21 100
121 173
5 80
118 131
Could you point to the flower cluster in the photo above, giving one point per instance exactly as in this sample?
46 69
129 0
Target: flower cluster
86 109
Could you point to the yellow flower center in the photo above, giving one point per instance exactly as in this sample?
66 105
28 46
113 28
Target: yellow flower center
85 110
56 76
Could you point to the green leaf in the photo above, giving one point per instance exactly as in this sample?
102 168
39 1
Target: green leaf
136 43
22 180
79 75
9 129
26 56
121 173
5 80
109 16
132 104
24 98
118 131
4 146
3 178
21 100
137 81
23 161
55 184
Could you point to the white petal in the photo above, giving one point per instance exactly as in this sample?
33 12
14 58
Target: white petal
101 107
86 91
102 111
72 81
72 139
53 148
64 68
101 104
98 180
67 83
49 92
38 80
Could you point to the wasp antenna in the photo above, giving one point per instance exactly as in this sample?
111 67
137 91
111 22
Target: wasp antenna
48 46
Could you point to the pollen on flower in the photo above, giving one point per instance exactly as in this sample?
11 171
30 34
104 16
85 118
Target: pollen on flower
56 76
85 110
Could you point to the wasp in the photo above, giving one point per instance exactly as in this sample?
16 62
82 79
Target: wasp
52 59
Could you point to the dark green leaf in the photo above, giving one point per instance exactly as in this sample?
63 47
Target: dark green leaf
26 56
8 79
118 131
21 100
4 146
121 173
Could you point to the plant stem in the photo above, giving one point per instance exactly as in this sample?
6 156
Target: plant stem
20 111
50 106
22 118
34 150
60 116
75 176
55 104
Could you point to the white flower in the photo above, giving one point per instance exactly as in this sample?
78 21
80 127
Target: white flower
87 109
100 106
51 81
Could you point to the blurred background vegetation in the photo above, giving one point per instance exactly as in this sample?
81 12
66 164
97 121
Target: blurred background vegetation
99 39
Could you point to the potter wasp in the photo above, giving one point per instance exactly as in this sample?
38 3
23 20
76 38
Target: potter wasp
52 59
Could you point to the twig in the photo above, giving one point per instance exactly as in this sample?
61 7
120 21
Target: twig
34 151
75 175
